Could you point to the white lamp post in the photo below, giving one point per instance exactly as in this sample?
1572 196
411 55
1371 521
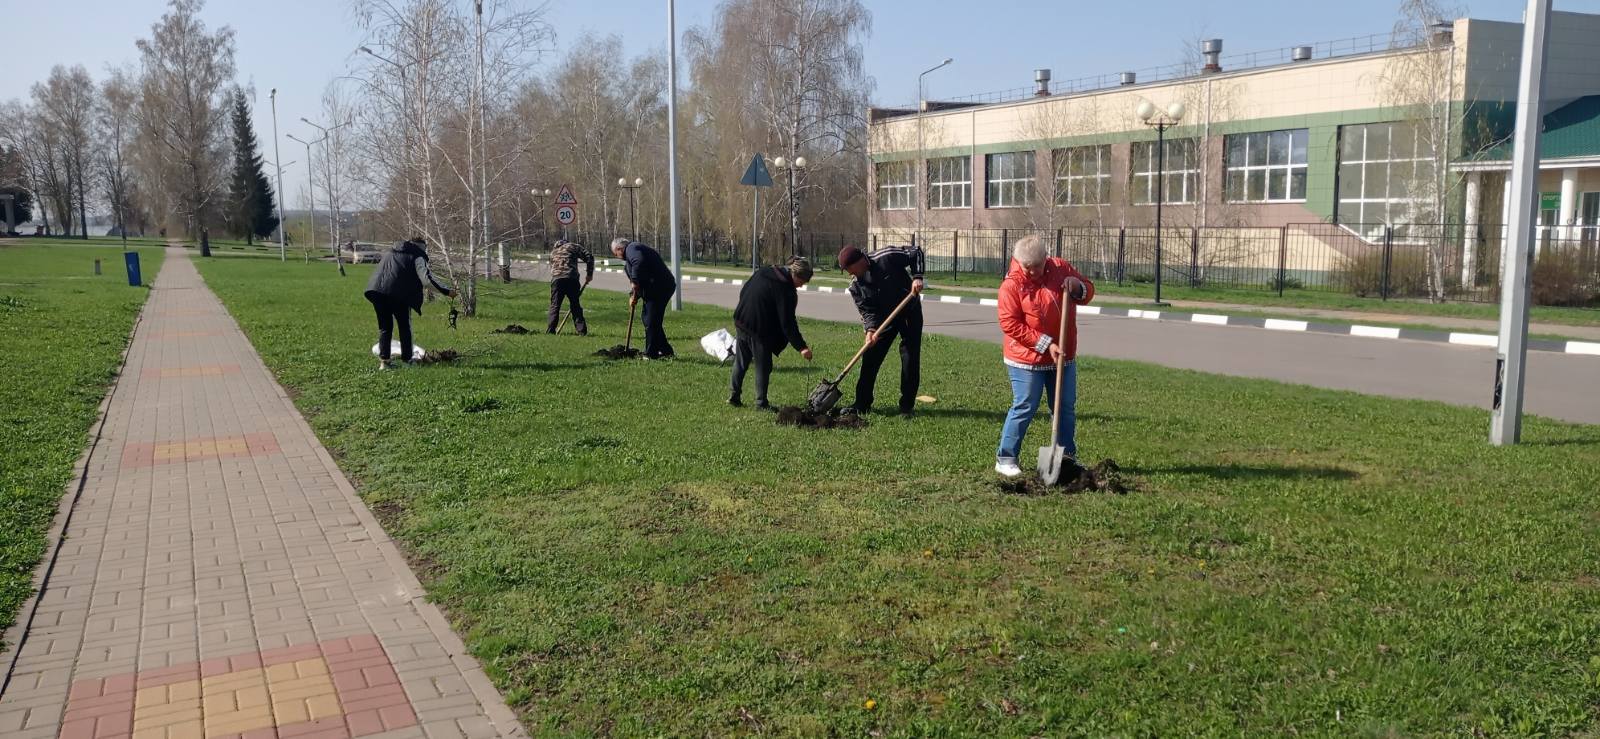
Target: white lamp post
633 221
922 154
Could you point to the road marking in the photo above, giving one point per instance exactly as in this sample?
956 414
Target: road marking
995 303
1583 347
1089 310
1375 332
1474 339
1279 324
1209 318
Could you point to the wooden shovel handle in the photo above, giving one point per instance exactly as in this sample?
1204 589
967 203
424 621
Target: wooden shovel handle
632 308
1061 363
863 350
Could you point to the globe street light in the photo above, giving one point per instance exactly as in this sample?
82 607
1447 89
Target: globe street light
1160 120
633 222
539 198
799 163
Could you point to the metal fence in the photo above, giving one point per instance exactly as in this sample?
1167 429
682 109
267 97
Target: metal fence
1413 262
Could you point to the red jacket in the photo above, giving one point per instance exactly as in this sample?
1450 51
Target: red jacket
1030 313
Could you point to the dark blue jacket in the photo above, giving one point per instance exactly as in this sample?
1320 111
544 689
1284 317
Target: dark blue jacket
399 276
647 271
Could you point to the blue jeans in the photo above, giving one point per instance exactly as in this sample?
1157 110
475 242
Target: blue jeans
1026 387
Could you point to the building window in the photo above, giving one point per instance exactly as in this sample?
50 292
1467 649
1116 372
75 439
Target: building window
1010 178
1182 172
1385 176
950 182
1266 167
897 185
1083 175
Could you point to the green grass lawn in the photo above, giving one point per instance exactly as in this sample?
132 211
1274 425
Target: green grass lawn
62 332
629 556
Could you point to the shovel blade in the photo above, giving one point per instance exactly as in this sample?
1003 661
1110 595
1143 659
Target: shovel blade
1051 460
825 397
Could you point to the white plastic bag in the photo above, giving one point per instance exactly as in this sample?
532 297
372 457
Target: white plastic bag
719 344
394 351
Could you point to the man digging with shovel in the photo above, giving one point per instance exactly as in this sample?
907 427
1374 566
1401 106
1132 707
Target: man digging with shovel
564 285
882 281
1038 315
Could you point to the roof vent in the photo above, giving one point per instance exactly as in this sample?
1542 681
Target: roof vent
1041 82
1130 78
1211 51
1302 53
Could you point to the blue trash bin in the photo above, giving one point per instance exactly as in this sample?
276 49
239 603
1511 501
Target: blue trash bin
132 259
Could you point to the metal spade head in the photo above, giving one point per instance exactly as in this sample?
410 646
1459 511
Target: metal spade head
825 397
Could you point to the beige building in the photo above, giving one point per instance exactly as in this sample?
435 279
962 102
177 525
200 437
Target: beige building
1320 151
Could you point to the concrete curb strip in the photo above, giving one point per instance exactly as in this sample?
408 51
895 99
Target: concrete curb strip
1274 324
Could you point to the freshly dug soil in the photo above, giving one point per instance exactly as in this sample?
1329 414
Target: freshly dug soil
443 355
806 418
618 352
1105 477
515 328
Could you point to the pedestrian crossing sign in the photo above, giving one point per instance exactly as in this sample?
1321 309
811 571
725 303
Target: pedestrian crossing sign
565 197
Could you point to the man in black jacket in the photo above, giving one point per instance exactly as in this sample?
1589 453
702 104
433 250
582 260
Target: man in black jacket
765 324
654 284
396 288
881 280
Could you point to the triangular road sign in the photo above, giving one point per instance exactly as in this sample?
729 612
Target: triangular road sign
565 197
757 175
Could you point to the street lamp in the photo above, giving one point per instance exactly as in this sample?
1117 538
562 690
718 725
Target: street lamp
333 222
539 199
405 105
277 163
633 222
1160 120
798 164
922 161
311 188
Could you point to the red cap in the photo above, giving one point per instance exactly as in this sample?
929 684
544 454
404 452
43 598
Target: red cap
850 255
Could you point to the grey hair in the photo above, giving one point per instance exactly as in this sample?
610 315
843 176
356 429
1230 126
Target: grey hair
619 243
1030 251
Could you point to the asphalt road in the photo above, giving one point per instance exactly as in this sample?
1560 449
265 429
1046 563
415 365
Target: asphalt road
1561 386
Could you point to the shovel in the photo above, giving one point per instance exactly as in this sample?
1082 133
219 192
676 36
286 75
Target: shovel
633 306
564 318
1051 458
827 394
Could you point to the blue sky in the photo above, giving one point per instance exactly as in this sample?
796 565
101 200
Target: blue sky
298 46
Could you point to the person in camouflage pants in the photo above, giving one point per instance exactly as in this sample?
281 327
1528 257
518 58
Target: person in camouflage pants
564 283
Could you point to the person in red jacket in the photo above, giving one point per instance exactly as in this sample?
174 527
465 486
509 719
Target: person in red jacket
1036 289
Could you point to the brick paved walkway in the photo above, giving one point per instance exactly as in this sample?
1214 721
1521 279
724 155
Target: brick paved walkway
219 578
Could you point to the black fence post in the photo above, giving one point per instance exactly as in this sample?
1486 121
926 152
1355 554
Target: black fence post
874 242
1194 256
1122 253
1058 243
1388 259
813 240
1283 257
955 254
1005 248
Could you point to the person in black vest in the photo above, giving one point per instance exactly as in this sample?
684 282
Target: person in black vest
396 287
881 280
654 284
765 324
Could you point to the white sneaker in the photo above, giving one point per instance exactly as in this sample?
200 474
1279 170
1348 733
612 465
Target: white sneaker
1007 468
384 365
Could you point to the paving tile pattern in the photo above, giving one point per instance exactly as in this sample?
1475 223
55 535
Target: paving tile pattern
218 578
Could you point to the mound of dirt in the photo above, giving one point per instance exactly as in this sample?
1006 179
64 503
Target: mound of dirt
807 418
515 328
1105 477
443 355
618 352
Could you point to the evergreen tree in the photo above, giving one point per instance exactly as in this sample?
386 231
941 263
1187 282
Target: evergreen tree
251 211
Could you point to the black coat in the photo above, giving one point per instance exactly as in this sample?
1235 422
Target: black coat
766 310
886 282
646 269
397 276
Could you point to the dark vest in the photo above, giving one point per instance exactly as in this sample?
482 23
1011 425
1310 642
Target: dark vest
396 276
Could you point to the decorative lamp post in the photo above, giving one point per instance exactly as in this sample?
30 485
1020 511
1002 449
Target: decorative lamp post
632 188
922 154
798 164
1161 121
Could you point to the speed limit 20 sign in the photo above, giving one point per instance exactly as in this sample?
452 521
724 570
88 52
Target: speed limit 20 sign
566 206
